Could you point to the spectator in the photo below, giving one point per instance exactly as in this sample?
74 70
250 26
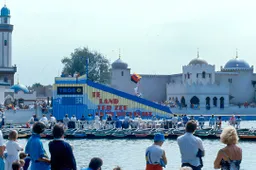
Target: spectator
230 156
2 148
95 164
52 121
44 120
13 148
35 149
117 168
58 147
16 166
73 118
66 120
190 146
26 159
212 122
22 163
155 155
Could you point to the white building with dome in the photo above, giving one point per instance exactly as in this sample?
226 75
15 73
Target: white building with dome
199 85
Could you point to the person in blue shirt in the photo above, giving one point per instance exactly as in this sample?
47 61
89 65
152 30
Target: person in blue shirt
95 164
118 123
58 147
201 121
212 122
185 120
35 149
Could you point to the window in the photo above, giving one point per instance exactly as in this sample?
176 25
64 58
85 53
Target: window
203 75
5 42
185 76
210 75
122 73
188 76
197 75
5 20
230 80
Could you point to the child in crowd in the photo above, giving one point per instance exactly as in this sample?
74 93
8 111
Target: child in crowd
2 148
26 158
95 164
13 148
16 166
22 163
117 168
35 149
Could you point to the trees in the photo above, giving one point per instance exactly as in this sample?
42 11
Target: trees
36 85
98 65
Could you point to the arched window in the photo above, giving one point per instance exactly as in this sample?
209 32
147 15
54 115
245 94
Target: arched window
6 79
203 75
222 102
122 73
5 20
5 42
188 75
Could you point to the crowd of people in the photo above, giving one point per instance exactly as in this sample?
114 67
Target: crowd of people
62 157
192 151
97 122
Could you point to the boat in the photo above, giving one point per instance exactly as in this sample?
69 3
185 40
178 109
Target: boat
79 134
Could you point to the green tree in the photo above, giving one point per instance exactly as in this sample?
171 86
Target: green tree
36 85
98 65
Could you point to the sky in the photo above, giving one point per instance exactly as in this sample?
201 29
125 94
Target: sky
154 37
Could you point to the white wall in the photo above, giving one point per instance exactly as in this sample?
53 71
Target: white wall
201 91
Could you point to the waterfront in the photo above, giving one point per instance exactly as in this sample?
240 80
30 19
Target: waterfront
129 154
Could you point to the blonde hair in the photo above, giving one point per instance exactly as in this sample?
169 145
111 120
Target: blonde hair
22 162
186 168
229 136
13 135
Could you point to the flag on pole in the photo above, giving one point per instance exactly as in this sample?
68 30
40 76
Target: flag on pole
135 78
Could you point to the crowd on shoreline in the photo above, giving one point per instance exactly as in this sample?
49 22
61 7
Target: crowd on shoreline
97 122
62 157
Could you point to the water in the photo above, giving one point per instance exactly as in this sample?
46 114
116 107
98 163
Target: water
129 154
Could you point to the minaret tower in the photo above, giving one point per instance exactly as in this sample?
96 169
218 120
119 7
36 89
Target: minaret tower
7 71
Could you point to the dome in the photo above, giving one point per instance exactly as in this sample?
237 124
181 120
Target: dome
119 64
5 11
198 61
19 87
236 63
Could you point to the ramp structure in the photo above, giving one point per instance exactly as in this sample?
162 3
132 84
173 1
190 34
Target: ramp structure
79 96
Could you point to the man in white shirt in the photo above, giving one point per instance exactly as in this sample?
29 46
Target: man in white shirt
73 118
66 120
175 121
44 120
52 120
190 146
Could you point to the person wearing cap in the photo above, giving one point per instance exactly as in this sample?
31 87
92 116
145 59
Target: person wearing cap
155 155
191 147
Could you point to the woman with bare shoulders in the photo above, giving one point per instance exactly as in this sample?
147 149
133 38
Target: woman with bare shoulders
229 157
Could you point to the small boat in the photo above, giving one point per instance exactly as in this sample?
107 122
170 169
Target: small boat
119 134
79 134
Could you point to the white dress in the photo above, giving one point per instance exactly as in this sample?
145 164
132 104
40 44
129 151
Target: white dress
13 149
